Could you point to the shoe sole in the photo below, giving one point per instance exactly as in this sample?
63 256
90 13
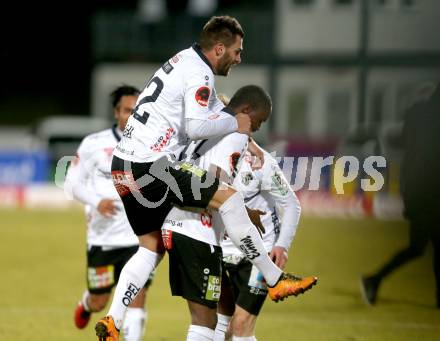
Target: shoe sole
298 292
101 331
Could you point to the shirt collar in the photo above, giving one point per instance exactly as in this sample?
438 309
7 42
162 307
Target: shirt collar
116 132
196 47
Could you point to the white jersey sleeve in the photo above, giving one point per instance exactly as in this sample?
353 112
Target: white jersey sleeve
89 179
79 173
276 187
228 154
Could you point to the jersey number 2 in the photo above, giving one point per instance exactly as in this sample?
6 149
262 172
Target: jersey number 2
151 98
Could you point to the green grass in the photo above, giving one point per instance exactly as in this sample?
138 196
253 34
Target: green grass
43 276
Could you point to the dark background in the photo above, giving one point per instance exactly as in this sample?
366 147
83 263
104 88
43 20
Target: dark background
47 56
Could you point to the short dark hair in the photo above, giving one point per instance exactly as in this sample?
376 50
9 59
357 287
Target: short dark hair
123 90
253 95
223 29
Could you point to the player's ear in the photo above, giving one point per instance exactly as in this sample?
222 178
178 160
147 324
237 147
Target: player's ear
246 109
220 50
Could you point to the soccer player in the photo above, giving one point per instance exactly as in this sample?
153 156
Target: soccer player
193 243
110 239
266 190
179 104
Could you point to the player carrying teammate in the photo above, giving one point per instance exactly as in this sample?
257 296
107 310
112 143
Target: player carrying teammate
179 103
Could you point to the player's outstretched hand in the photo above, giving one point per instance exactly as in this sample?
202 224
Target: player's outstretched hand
107 207
244 124
254 216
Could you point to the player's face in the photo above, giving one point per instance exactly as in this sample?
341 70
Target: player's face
123 110
258 116
231 57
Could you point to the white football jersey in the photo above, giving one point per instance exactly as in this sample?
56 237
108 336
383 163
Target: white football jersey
182 88
92 169
268 190
224 152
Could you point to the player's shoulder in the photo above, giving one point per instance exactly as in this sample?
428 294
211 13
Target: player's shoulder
98 138
193 63
270 159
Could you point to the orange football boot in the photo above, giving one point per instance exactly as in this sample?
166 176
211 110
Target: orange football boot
106 330
289 284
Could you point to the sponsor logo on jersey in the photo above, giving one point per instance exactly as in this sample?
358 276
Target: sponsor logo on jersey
257 283
206 219
130 294
248 248
167 67
213 288
278 182
189 167
124 182
163 140
175 59
246 178
101 277
202 95
233 162
167 238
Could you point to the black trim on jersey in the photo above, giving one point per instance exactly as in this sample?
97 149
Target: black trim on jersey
195 154
229 111
251 197
115 133
196 47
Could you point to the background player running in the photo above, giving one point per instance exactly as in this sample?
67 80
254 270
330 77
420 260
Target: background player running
110 239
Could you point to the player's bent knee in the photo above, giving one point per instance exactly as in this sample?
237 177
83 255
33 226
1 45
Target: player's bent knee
221 195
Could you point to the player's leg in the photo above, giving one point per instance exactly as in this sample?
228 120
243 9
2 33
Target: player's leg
418 240
198 188
243 324
100 281
135 318
195 275
225 309
245 236
146 222
134 275
203 322
251 291
136 315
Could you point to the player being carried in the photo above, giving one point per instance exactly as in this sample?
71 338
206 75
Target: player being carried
193 239
243 287
179 104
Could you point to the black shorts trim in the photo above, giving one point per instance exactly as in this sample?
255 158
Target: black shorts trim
194 269
149 190
248 284
104 267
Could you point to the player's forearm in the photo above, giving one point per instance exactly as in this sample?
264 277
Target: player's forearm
289 222
197 129
85 196
80 192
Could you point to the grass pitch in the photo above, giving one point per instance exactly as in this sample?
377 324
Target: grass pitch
42 255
